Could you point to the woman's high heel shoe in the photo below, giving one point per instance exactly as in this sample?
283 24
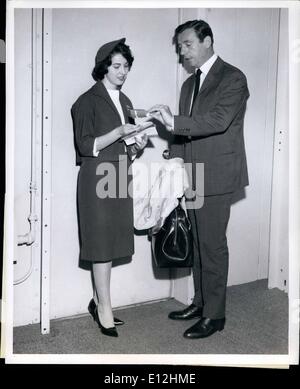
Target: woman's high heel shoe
111 331
91 308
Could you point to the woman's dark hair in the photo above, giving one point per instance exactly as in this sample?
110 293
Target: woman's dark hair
201 28
101 68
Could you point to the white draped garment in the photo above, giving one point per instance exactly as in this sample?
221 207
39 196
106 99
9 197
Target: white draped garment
156 190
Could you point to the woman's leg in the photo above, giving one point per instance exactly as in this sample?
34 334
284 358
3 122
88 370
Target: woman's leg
102 274
95 297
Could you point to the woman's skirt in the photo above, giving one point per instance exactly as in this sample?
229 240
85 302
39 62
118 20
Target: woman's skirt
105 211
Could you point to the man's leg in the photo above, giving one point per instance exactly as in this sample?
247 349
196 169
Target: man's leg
210 268
196 271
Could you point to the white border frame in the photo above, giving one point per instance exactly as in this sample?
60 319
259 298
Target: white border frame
294 182
280 361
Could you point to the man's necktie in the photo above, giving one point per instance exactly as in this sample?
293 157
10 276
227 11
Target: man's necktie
196 88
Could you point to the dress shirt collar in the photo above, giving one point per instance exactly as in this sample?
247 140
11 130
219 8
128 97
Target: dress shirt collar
205 68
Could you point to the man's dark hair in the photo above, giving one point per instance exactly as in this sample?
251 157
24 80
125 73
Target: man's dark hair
201 28
101 68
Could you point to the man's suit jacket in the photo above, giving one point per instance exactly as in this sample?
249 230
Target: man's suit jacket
213 134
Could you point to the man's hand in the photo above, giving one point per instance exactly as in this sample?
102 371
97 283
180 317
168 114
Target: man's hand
163 114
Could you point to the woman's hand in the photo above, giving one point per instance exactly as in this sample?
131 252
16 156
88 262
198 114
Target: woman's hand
114 135
140 142
126 129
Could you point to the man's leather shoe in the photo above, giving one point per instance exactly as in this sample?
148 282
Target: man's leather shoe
204 327
191 312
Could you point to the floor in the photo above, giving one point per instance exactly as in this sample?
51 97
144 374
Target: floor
256 323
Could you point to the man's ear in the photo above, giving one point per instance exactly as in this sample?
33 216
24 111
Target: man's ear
207 41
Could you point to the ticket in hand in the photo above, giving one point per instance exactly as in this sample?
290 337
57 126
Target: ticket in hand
141 129
138 128
137 113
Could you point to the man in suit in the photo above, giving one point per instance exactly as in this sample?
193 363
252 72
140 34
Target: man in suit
208 130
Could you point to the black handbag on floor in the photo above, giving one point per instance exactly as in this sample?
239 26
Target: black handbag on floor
172 245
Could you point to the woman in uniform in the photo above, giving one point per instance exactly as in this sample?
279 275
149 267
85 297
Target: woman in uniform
105 215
